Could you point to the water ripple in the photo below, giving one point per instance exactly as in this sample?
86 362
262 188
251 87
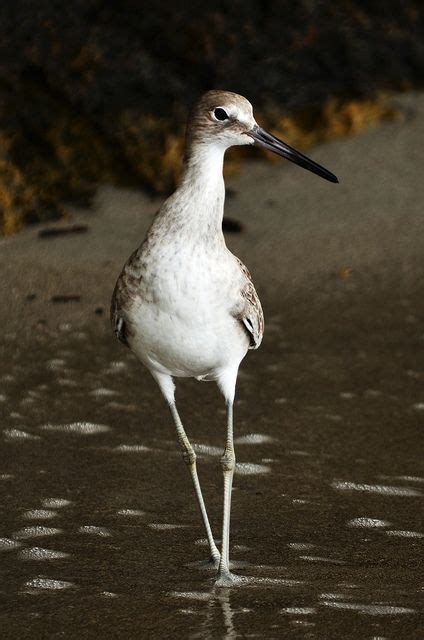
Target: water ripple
83 428
48 584
369 609
380 489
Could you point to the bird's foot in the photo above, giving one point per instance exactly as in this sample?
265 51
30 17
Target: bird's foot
228 579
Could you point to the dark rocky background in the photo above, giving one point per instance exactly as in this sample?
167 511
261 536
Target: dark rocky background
97 91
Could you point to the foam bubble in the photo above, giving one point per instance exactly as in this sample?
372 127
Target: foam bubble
6 544
48 584
321 559
300 546
83 428
191 595
405 534
250 469
369 609
39 514
93 530
166 527
56 503
37 531
130 512
18 434
132 448
286 582
376 488
208 450
368 523
411 478
254 438
299 611
202 542
38 553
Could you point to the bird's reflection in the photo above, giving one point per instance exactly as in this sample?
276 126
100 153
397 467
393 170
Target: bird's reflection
223 598
218 615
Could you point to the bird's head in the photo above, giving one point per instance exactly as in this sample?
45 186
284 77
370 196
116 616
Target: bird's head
225 119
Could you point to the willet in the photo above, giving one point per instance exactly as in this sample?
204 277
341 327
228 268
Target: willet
183 303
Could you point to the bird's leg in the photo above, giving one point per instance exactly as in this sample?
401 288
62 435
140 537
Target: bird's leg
228 463
189 457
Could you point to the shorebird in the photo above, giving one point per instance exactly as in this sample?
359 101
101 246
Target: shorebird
183 303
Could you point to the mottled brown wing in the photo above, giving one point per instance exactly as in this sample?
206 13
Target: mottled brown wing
117 321
251 314
124 292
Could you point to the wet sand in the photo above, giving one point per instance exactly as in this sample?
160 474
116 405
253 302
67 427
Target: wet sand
100 535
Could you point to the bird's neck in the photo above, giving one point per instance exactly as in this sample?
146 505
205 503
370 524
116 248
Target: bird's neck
201 194
204 164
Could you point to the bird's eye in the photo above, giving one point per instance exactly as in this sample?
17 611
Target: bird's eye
220 114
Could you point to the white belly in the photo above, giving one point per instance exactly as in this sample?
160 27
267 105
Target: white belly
170 345
186 328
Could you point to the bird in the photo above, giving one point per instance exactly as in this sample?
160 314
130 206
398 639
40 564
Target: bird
183 303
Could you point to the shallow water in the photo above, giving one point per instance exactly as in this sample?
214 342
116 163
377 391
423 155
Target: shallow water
100 534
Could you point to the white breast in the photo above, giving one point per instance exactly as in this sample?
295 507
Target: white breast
186 328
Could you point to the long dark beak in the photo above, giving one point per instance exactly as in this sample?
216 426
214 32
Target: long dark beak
270 142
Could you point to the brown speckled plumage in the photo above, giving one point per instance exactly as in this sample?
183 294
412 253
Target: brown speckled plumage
252 315
200 130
